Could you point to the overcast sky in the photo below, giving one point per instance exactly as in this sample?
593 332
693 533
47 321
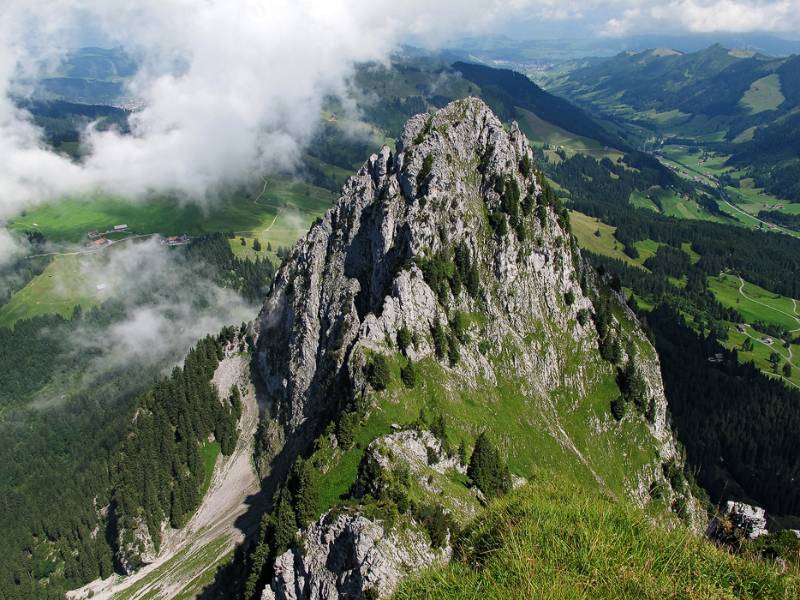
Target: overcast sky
633 17
255 73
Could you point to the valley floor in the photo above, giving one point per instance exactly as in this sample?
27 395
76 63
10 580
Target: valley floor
190 556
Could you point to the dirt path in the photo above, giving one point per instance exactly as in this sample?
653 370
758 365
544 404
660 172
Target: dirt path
187 553
792 316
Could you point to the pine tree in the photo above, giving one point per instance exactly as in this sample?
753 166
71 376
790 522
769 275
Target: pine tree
236 402
487 470
462 452
285 521
378 373
305 492
259 558
408 375
439 338
403 338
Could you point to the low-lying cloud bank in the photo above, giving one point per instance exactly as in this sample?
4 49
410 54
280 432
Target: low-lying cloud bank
163 314
229 87
156 304
234 87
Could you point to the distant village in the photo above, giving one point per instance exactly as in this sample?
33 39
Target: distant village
98 239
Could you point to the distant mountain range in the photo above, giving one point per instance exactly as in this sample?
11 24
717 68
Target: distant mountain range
739 103
506 49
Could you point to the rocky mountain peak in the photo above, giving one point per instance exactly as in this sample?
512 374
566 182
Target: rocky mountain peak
458 183
451 254
452 241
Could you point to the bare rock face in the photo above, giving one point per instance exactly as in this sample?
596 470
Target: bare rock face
351 282
738 517
417 449
460 187
350 556
135 547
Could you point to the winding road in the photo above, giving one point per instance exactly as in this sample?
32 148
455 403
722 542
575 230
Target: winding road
790 315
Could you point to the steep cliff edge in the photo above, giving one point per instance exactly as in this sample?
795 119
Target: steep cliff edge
450 260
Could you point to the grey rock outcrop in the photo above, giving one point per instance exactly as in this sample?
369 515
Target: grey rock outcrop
135 547
350 556
351 283
356 280
749 520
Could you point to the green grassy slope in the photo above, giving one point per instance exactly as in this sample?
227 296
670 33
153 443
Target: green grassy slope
755 303
553 539
536 433
57 290
586 228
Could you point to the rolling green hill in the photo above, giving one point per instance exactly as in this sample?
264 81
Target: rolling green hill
507 91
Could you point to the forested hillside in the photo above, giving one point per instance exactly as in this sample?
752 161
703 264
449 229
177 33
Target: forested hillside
740 105
96 440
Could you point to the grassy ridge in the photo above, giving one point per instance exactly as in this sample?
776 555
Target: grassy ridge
524 426
554 539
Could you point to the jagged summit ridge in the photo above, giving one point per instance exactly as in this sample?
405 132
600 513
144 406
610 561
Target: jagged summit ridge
355 281
343 282
452 236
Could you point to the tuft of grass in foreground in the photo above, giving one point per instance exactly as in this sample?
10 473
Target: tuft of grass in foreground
554 539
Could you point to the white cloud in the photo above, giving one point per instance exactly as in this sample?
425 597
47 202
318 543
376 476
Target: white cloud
11 247
165 304
247 99
703 16
254 74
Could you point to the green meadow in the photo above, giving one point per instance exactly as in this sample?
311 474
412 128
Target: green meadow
69 220
755 303
761 352
764 94
586 228
276 216
57 290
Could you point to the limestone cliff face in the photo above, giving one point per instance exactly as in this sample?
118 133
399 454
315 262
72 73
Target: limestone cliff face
350 556
352 283
459 187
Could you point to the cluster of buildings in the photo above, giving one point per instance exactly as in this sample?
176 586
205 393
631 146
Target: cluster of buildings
98 239
175 240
